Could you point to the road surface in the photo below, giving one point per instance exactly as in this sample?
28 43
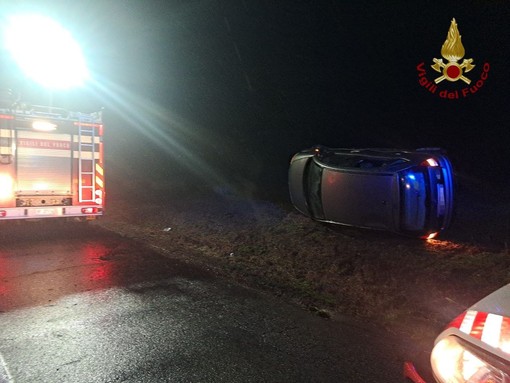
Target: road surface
80 304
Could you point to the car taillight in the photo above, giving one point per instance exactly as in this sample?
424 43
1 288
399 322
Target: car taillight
431 235
430 162
3 213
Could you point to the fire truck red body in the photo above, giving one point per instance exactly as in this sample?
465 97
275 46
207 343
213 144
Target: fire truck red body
51 163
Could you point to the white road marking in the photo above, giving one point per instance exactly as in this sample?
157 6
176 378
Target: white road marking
5 377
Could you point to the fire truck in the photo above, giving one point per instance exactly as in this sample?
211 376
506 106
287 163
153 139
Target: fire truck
51 162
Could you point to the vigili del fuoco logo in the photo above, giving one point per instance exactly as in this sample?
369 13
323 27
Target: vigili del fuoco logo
452 68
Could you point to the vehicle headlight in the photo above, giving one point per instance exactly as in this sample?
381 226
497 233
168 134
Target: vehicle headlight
453 360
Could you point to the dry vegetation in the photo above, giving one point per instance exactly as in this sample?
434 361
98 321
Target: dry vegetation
407 285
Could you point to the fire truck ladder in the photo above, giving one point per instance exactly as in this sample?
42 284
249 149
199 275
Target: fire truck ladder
86 163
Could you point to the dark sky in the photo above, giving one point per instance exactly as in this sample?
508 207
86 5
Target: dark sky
228 90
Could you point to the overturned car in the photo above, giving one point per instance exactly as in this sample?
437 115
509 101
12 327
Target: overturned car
408 192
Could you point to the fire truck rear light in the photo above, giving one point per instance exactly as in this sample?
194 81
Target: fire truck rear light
90 210
3 213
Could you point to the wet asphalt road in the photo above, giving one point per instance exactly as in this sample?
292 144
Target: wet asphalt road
80 304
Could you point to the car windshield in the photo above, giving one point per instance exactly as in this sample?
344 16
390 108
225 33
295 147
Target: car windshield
413 184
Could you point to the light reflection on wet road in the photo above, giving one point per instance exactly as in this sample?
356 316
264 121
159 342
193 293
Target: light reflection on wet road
79 304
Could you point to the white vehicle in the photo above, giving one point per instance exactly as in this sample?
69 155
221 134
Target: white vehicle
474 347
51 162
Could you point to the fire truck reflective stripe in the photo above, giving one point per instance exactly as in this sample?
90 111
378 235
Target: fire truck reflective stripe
492 330
467 322
86 139
478 325
504 342
99 182
88 124
505 329
85 155
457 321
101 150
44 152
29 135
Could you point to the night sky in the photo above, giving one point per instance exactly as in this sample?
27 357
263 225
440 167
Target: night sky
223 92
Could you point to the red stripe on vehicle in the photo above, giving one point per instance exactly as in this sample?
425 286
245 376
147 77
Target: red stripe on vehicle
457 321
478 324
492 329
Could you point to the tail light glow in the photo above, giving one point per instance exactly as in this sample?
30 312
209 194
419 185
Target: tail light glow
90 210
432 235
430 162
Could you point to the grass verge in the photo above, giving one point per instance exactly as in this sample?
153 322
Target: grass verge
406 285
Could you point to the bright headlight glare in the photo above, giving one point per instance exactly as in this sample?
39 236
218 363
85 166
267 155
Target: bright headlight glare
43 126
454 363
6 187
